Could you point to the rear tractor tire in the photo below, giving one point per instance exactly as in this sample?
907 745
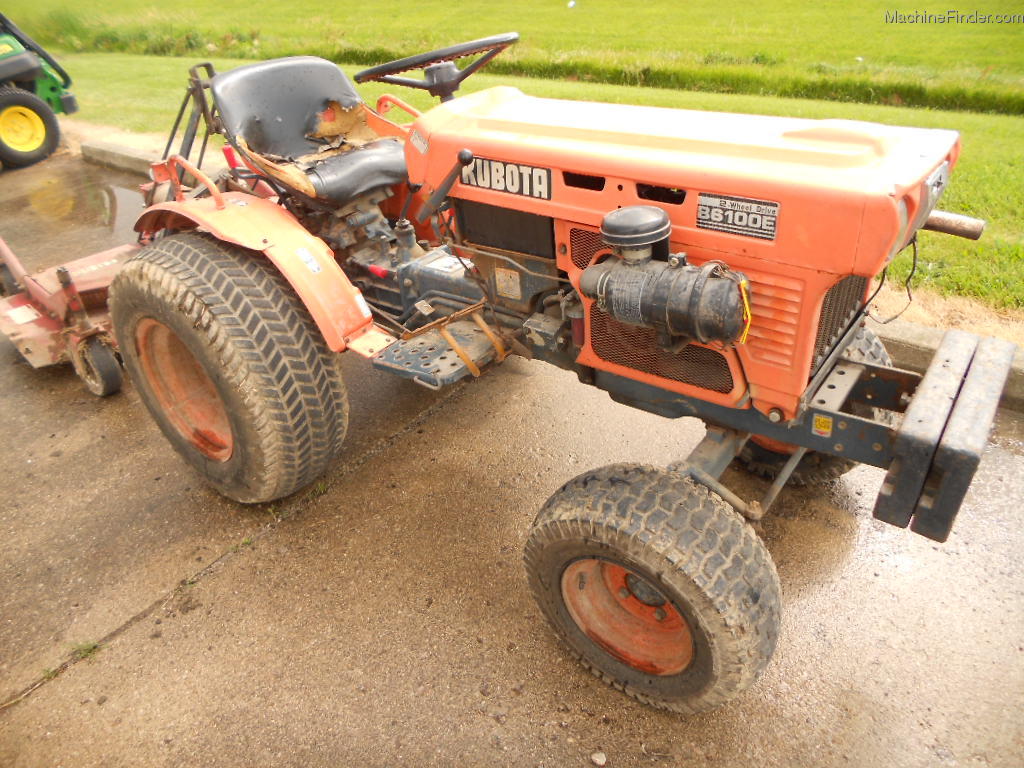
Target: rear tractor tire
656 585
29 131
230 364
761 457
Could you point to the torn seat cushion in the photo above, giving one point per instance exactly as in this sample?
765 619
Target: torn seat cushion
275 104
302 122
345 176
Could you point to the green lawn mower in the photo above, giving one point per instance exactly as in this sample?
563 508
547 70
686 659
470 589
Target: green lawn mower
33 90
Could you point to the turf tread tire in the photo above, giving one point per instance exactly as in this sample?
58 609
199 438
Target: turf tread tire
258 341
816 468
689 542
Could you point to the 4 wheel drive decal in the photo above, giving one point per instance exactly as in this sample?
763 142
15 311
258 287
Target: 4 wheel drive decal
526 180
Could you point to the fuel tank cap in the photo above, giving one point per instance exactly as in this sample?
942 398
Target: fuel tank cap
635 225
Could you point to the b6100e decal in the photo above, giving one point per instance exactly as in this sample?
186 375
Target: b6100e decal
500 176
738 215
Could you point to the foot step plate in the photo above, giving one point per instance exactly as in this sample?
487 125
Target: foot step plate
429 360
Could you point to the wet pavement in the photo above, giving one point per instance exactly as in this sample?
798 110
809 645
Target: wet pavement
383 617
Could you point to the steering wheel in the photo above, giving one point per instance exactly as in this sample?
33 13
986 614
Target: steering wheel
442 77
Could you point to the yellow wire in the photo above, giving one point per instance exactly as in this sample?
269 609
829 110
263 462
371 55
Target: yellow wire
747 315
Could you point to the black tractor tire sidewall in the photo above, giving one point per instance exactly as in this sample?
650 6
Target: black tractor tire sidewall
231 476
690 682
12 158
733 630
256 418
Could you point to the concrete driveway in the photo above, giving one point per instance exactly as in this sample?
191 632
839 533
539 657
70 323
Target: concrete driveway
383 618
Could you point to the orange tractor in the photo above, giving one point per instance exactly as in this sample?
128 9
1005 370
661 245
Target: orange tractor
691 264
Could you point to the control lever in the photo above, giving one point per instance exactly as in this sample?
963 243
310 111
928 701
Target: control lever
413 189
465 157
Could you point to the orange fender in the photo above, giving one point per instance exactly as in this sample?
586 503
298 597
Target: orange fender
306 261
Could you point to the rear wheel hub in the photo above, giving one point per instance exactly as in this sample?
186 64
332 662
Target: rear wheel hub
184 390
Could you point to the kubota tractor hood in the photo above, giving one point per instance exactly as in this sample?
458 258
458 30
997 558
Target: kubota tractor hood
844 185
664 144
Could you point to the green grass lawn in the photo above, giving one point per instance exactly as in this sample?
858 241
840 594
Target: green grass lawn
827 50
142 93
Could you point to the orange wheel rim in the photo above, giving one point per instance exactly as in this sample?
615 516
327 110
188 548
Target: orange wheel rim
184 390
626 616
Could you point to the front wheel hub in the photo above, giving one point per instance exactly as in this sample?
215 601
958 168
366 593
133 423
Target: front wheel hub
627 616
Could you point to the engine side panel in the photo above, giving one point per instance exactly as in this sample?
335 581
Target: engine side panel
799 206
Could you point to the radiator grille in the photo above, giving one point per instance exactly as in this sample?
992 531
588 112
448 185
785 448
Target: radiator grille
634 347
841 303
775 303
583 245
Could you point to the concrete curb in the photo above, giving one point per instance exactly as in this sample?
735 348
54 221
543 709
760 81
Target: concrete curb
117 157
137 159
910 345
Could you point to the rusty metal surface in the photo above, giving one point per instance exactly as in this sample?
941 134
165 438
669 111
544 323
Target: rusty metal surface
62 211
37 336
370 341
955 224
53 313
441 355
442 321
90 273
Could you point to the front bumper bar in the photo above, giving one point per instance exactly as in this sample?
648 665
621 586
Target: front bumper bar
930 457
937 448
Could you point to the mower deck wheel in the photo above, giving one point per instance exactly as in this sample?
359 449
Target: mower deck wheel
8 285
97 366
29 130
657 586
230 364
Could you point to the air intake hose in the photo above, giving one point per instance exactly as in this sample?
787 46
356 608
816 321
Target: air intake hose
703 304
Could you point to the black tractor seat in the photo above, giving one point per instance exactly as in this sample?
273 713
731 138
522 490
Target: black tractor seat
300 121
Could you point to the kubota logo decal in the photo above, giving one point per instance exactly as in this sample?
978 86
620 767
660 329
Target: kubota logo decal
500 176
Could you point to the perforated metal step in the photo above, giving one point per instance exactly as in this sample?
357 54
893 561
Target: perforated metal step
430 360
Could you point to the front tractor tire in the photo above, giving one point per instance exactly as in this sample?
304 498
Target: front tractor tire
656 585
230 365
29 131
